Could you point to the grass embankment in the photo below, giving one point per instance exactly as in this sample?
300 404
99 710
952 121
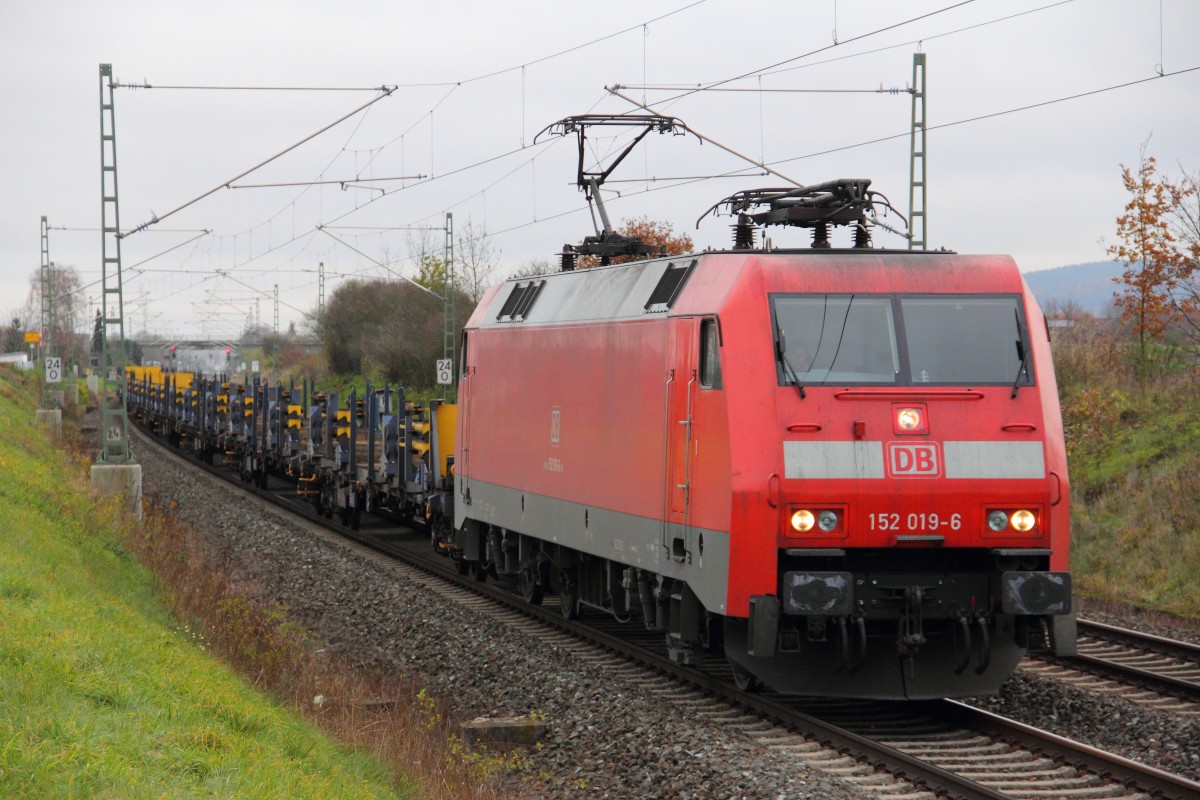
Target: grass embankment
1134 457
102 693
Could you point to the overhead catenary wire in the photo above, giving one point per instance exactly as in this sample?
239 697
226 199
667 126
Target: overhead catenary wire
860 37
589 43
73 229
379 263
743 156
343 182
155 219
916 42
200 235
259 292
701 88
232 88
995 114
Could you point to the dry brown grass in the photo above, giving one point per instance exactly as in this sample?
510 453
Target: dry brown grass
402 724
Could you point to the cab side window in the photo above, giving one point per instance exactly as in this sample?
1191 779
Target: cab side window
710 355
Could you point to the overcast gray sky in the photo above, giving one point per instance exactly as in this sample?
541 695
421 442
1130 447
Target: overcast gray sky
476 82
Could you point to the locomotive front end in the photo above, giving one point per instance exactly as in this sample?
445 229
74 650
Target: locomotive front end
919 501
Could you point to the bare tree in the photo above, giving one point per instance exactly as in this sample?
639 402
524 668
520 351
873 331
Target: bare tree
69 335
429 259
476 259
1184 221
534 268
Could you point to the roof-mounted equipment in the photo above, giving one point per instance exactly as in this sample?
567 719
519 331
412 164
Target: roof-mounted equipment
846 201
607 243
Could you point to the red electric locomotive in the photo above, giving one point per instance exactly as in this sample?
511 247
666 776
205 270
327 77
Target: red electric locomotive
843 467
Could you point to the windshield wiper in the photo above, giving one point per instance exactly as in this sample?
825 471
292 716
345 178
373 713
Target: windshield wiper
781 356
1022 356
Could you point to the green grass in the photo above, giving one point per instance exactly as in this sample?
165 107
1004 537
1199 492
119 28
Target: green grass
102 693
1134 457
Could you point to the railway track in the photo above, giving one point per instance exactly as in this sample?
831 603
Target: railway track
888 750
1149 670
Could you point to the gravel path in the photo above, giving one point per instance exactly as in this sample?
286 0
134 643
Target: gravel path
608 738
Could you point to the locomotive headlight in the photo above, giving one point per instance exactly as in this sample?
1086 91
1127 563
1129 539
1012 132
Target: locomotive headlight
998 520
803 520
1023 520
910 419
827 520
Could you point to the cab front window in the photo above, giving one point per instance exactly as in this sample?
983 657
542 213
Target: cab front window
838 338
889 340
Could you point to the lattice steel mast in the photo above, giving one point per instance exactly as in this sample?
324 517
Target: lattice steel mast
114 416
49 316
918 235
449 323
321 291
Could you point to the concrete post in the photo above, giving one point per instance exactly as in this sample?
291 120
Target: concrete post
120 479
51 420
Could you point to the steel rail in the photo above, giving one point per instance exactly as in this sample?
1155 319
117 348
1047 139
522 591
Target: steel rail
1102 630
1143 676
1157 782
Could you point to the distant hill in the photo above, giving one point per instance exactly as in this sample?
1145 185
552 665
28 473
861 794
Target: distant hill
1089 286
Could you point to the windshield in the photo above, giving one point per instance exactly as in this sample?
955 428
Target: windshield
967 340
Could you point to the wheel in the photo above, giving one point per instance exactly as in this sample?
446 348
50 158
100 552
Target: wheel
743 680
568 598
327 501
528 585
481 570
356 516
712 634
464 567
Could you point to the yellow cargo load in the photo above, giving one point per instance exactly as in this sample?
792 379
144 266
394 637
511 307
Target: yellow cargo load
445 417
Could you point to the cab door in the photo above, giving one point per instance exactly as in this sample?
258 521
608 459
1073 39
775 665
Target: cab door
680 437
462 464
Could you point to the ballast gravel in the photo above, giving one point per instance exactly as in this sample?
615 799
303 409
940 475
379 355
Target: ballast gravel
608 737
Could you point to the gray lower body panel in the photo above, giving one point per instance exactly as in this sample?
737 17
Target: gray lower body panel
636 541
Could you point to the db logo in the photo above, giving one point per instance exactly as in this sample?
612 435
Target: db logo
914 460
